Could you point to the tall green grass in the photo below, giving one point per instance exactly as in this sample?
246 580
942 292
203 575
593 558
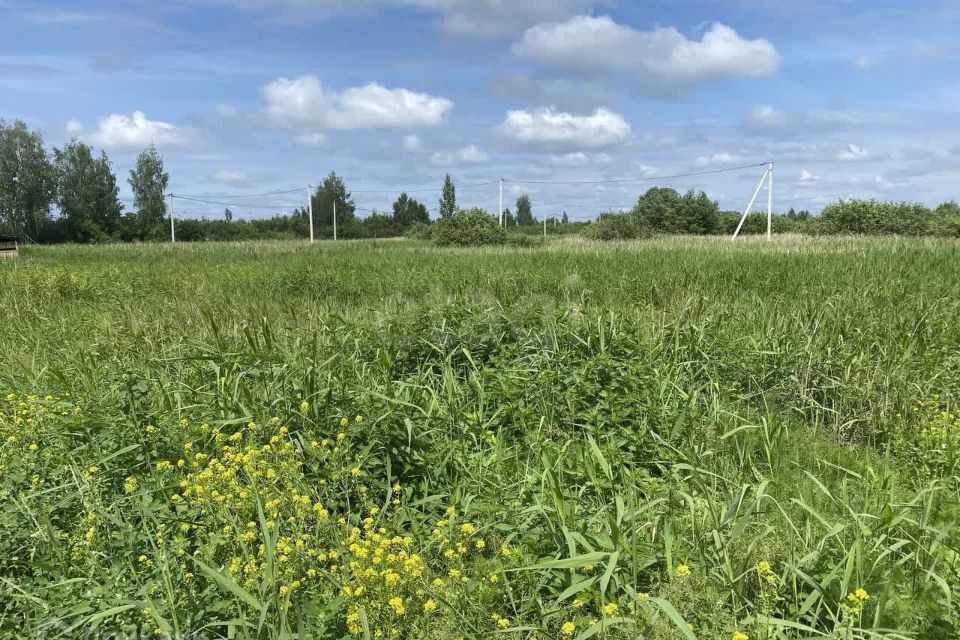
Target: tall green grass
632 429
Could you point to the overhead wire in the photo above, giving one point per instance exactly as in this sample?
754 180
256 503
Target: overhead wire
236 196
642 179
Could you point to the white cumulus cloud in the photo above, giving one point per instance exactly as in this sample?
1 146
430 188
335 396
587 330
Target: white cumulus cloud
554 129
234 178
852 153
579 159
462 18
764 116
573 159
302 104
661 61
74 127
470 154
492 18
136 131
412 143
719 159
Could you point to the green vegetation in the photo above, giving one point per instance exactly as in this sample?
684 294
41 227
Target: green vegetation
676 438
83 190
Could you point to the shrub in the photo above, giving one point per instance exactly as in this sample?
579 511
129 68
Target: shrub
523 239
617 226
873 217
946 219
756 223
666 211
468 228
418 231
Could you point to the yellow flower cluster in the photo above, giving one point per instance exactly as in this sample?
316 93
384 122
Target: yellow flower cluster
766 573
856 599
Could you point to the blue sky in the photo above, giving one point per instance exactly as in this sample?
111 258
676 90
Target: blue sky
848 97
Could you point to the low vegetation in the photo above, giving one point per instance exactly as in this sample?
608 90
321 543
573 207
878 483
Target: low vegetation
676 438
82 189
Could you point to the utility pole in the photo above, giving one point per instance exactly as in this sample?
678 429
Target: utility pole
770 201
503 221
334 219
767 176
173 235
544 228
310 209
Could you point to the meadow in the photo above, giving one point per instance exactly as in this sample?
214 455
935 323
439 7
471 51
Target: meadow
666 438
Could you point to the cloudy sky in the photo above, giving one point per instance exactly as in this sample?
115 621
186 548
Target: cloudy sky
848 97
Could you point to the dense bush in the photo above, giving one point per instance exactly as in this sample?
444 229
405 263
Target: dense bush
515 239
665 211
873 217
418 231
617 226
468 228
756 223
946 220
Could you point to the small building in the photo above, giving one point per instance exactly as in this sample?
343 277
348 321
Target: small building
9 247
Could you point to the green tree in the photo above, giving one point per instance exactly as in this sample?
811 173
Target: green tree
657 208
149 183
87 193
406 211
228 215
525 211
26 180
448 199
565 219
697 214
333 190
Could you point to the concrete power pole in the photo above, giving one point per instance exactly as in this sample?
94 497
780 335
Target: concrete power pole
173 235
770 201
310 209
500 216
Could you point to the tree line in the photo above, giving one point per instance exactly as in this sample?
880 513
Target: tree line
71 194
81 185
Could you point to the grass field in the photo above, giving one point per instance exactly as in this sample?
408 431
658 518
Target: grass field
674 438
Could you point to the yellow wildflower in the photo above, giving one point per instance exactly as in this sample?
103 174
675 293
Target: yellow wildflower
568 628
683 571
609 609
397 604
429 606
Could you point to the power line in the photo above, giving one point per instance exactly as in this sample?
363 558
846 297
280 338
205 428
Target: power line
237 204
235 196
644 179
458 186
